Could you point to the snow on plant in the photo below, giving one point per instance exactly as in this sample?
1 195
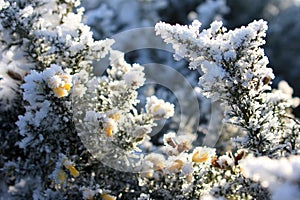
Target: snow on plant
280 176
44 52
111 18
58 88
75 135
179 171
109 107
158 108
235 71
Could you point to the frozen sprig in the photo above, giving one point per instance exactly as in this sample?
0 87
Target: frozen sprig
284 95
235 71
69 43
43 92
58 81
52 32
111 125
222 55
197 173
52 80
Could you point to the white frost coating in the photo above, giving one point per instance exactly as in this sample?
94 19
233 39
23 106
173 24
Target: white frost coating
27 11
4 4
135 76
235 71
279 176
159 108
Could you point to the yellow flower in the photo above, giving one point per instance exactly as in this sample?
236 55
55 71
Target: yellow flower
62 91
108 129
108 197
147 174
199 157
73 171
60 84
156 108
203 154
159 166
67 87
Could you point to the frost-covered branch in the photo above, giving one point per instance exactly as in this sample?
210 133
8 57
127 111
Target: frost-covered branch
48 56
235 71
70 134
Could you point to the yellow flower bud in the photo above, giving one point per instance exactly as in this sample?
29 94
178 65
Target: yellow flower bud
73 171
147 174
159 166
108 130
69 165
60 85
60 92
198 157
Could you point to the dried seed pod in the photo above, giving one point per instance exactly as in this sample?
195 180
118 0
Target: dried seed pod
14 75
266 80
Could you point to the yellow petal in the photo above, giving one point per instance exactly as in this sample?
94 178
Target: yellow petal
60 92
73 170
67 86
108 197
108 130
198 157
156 107
148 174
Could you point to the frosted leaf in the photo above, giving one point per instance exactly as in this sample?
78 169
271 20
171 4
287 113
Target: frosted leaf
159 108
135 76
